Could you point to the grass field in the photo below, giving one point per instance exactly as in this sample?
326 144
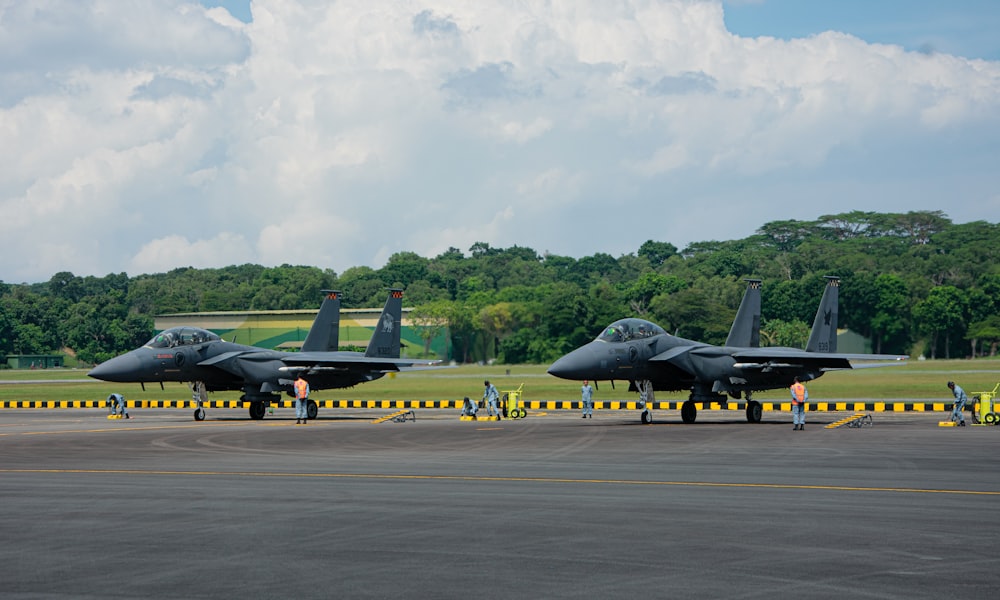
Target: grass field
920 380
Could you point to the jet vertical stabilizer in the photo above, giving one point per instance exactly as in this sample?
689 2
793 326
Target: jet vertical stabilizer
324 335
385 342
824 331
745 331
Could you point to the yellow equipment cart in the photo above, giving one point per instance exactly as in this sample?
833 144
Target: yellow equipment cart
985 408
512 404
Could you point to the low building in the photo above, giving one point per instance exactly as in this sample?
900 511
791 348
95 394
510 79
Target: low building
34 361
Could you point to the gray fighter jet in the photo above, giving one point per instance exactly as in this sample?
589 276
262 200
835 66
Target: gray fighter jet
208 363
650 359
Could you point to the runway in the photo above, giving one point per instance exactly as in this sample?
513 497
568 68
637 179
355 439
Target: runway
552 506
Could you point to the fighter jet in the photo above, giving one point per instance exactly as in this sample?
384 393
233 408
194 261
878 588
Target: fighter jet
208 363
650 359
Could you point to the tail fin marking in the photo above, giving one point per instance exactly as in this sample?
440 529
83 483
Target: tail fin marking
385 342
824 330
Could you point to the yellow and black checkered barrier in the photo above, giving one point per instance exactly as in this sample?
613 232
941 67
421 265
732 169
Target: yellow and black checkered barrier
870 406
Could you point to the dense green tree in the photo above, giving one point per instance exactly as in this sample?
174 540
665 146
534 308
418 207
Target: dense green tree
649 285
605 303
431 319
788 334
786 235
657 253
421 292
404 268
693 314
362 287
791 300
913 278
986 331
461 325
6 331
891 319
940 315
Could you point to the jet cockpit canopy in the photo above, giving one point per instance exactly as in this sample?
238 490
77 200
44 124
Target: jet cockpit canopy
624 330
181 336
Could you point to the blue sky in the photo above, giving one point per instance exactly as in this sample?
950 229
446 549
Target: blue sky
964 27
146 136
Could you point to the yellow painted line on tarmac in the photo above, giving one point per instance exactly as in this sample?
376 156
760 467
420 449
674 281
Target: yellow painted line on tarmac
110 429
629 482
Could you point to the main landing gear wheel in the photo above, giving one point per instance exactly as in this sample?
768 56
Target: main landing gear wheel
689 412
646 417
754 411
312 409
257 410
199 414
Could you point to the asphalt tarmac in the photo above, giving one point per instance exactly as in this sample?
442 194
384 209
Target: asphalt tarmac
551 506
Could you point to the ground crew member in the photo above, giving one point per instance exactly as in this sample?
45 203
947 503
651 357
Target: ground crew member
301 401
800 395
468 408
587 398
960 400
492 397
117 403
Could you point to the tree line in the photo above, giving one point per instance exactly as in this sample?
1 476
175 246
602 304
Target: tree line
913 283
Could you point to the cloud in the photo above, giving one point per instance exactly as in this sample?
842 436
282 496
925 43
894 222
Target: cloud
172 251
150 136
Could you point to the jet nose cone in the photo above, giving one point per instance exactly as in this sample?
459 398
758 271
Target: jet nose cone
122 369
578 364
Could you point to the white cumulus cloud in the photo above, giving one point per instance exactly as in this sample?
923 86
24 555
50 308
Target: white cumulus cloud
148 136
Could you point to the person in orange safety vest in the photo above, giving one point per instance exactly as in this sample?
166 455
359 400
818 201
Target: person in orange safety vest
301 401
800 395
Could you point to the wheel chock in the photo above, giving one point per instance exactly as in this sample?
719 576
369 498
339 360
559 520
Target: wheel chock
947 424
467 418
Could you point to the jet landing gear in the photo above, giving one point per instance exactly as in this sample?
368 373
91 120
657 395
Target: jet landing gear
646 398
257 410
689 411
258 404
754 410
199 396
312 409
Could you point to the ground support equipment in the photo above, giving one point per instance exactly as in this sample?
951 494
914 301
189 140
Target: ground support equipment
986 408
855 421
400 416
512 405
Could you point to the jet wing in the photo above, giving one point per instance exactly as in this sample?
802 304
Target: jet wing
220 358
677 358
672 354
349 361
776 358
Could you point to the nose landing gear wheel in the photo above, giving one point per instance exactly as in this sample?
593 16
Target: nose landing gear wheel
689 412
754 411
312 409
199 414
